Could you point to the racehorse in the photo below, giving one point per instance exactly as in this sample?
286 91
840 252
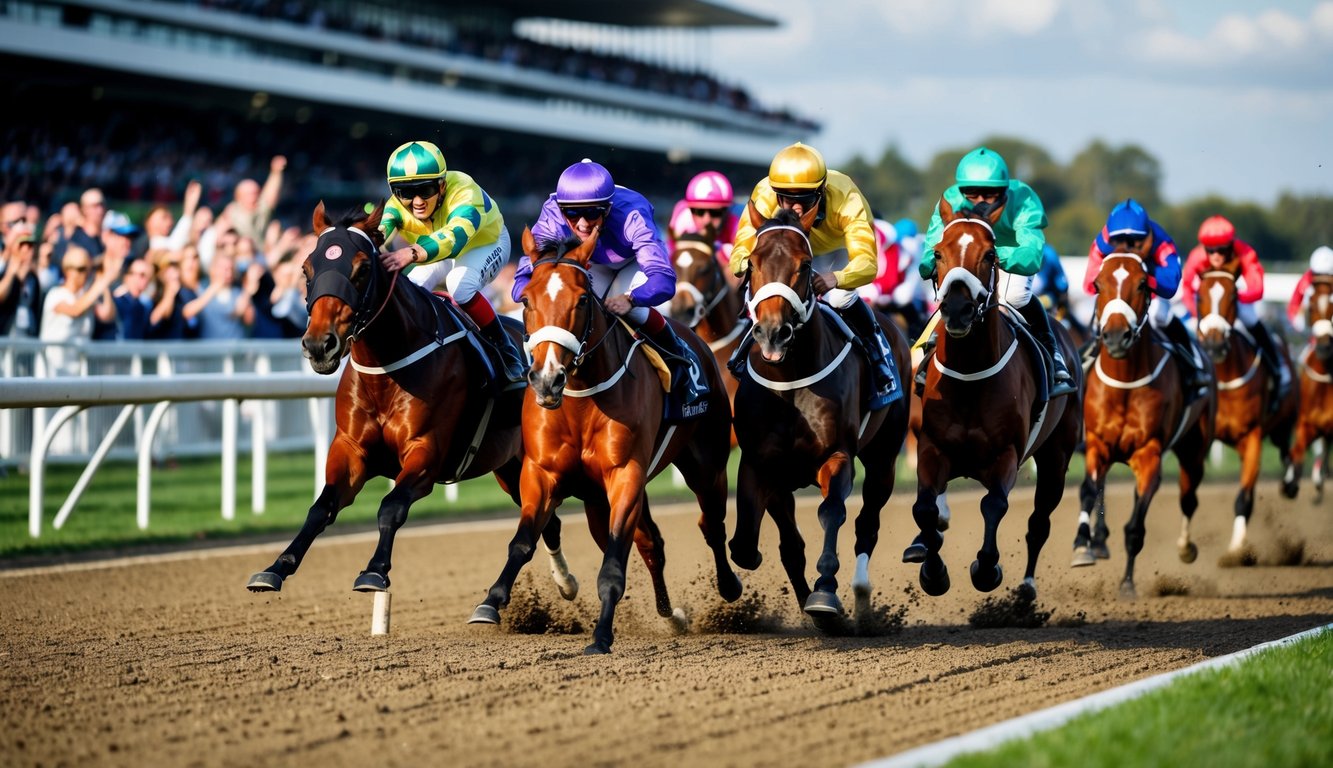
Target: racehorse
1316 414
1134 411
984 410
707 302
414 405
801 419
593 427
1246 410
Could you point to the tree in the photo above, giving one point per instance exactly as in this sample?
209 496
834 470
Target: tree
1105 175
892 185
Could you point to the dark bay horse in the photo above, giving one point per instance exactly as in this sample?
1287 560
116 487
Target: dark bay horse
593 428
414 404
801 419
1134 411
708 302
983 412
1316 413
1246 413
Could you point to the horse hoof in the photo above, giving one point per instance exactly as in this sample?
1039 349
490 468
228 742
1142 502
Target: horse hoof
934 584
729 587
1188 552
1127 591
485 614
823 602
748 560
1083 556
568 586
679 622
1101 551
1027 590
265 581
1290 490
597 649
915 553
369 581
986 579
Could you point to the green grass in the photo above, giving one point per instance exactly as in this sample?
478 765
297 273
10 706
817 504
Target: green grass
1273 709
187 496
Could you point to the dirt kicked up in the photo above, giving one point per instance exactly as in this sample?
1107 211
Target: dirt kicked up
172 662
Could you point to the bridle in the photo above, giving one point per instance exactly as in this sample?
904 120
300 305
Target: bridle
562 337
336 247
804 306
1119 306
717 287
970 281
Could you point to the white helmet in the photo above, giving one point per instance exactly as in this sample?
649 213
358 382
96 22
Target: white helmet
1321 261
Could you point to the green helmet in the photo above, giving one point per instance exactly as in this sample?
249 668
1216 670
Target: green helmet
982 167
416 161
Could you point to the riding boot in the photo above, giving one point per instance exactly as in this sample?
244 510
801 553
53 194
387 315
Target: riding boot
736 363
927 349
1197 377
1276 363
861 319
1039 323
693 386
515 367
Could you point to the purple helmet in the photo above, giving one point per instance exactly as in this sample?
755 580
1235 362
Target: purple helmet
584 182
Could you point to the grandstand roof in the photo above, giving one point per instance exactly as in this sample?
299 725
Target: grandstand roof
635 13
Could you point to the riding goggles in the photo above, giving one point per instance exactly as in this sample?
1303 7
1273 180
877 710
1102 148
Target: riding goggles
587 212
804 198
423 189
716 213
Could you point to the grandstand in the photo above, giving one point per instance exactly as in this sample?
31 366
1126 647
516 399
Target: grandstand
148 94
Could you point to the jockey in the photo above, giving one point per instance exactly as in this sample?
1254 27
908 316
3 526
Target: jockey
1129 225
1321 265
983 184
1218 245
799 180
454 231
629 266
707 204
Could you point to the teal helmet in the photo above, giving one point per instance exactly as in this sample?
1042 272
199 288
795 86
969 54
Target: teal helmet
982 167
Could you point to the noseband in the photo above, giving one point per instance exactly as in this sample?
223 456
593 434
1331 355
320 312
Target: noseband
804 307
702 304
1214 321
577 345
985 294
336 245
1119 306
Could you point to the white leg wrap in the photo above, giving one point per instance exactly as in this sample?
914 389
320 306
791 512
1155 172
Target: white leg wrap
1238 533
861 581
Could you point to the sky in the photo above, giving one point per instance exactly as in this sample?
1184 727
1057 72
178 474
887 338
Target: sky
1231 97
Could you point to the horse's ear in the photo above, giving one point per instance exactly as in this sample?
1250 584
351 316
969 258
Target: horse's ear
529 243
373 220
995 213
583 254
319 221
946 210
756 219
1146 247
808 218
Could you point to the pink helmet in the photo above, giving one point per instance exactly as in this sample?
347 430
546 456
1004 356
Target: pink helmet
1216 232
709 189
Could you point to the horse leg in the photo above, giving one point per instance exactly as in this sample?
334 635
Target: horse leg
710 489
1101 532
835 481
508 477
1147 465
1191 453
1250 447
791 546
648 540
1294 464
751 500
413 483
1052 463
1317 470
1087 503
539 503
934 574
986 571
875 492
625 495
344 476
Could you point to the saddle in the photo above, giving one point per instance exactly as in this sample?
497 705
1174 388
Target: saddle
1046 366
873 402
485 352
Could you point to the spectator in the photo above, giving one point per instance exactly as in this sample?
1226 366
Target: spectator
118 234
88 234
251 207
68 309
164 230
223 309
20 290
168 320
134 307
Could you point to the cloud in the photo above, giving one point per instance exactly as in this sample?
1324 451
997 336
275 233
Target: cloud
971 18
1273 38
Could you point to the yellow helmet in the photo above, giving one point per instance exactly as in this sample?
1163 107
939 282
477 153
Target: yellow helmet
797 167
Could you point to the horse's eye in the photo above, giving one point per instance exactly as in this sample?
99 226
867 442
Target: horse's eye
990 255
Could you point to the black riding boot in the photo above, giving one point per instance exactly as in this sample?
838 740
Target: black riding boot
1276 363
515 366
1196 376
1039 323
861 319
693 386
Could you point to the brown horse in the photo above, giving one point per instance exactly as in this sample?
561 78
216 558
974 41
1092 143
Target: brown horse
983 411
593 428
708 302
801 419
1316 417
1134 411
408 349
1246 412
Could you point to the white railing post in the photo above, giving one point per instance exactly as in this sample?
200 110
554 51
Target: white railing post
87 475
37 466
146 463
259 444
229 418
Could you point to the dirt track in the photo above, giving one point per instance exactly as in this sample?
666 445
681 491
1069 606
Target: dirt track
174 663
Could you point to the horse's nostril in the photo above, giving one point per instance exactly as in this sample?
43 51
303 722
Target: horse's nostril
785 333
559 380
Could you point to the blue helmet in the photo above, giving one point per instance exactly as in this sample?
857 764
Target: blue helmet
584 182
1127 219
906 228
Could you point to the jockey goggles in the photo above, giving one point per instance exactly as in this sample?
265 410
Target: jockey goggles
1226 249
714 212
425 190
804 197
587 212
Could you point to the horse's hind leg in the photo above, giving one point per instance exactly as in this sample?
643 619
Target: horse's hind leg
710 489
1191 453
648 540
508 476
345 474
411 485
537 510
1250 448
1147 465
875 492
752 498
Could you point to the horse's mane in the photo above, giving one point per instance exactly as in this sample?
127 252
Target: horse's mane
561 246
786 217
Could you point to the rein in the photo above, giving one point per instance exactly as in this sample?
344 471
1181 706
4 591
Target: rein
577 345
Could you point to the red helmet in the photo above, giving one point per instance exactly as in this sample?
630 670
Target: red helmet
709 189
1216 232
